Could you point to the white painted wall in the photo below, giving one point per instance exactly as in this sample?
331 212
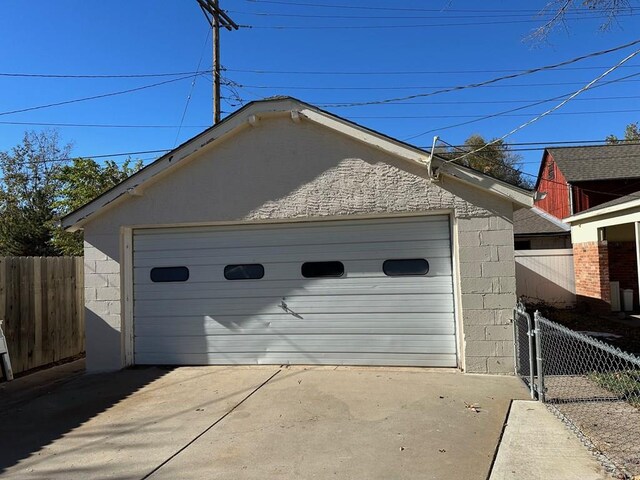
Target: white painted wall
546 275
279 171
587 230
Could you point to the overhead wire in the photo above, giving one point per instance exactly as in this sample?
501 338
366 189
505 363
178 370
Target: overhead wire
193 84
94 97
496 79
556 107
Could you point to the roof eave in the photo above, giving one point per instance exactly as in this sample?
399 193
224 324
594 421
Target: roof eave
603 211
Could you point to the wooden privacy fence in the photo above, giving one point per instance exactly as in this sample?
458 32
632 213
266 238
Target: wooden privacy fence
547 276
42 309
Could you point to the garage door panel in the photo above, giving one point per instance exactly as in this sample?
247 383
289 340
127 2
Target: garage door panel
289 270
297 358
363 317
378 323
299 253
299 305
329 343
309 235
439 285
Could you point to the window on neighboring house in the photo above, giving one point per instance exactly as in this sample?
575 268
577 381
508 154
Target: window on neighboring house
551 171
322 269
522 245
250 271
169 274
405 266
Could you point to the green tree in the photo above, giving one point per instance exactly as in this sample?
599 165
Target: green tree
28 191
631 134
80 181
495 159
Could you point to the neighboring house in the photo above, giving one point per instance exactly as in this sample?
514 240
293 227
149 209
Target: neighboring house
576 179
286 234
606 241
535 229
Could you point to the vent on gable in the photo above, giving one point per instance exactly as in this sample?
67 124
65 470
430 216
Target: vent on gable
551 171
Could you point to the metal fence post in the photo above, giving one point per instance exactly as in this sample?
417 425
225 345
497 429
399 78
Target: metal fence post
539 357
532 367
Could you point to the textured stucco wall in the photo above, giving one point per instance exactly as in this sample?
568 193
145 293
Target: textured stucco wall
282 170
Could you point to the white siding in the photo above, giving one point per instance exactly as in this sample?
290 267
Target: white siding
362 318
546 275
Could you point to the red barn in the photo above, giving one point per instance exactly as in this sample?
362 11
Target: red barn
576 179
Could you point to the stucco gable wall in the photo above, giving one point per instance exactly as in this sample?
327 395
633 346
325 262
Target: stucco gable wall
282 170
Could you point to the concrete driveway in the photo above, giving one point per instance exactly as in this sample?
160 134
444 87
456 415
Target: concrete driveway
260 422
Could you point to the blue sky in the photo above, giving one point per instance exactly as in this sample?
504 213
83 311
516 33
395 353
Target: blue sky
426 45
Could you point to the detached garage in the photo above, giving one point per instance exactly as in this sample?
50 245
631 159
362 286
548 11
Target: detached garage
287 235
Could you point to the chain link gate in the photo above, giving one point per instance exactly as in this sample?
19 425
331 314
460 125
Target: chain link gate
590 385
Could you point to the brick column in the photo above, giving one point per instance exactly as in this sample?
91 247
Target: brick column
591 265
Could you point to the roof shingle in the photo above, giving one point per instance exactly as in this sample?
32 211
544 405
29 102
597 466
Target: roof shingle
602 162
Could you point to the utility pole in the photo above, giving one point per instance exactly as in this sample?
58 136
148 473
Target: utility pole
217 18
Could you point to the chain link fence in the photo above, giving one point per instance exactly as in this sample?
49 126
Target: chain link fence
593 387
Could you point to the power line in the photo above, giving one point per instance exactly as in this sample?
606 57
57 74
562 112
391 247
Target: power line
391 9
395 72
98 125
193 84
408 87
95 97
401 27
553 109
98 76
573 15
524 107
497 79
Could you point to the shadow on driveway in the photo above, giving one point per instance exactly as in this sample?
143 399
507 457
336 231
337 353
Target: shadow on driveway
34 423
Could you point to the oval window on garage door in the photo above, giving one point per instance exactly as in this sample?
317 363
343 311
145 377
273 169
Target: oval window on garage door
247 271
405 266
169 274
322 269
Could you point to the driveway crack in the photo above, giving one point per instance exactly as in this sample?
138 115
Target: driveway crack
192 441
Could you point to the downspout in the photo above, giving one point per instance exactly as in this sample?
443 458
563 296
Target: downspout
570 198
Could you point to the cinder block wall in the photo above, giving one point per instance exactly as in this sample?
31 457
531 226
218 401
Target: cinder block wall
591 260
488 286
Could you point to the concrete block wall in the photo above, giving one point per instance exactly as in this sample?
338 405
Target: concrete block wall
487 287
102 304
591 260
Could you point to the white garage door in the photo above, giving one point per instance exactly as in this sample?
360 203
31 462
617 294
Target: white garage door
365 292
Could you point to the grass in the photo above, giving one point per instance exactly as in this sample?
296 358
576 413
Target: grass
624 384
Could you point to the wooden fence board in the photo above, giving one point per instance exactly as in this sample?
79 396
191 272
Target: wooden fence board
42 308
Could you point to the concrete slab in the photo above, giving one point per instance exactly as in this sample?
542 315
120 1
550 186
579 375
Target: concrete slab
242 423
537 446
120 425
26 388
356 423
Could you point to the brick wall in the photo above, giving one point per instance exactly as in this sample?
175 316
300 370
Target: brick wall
591 262
623 267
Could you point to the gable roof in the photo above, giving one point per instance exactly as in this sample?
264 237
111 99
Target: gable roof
254 112
533 221
601 162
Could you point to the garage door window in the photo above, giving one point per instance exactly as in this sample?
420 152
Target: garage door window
169 274
405 266
322 269
252 271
